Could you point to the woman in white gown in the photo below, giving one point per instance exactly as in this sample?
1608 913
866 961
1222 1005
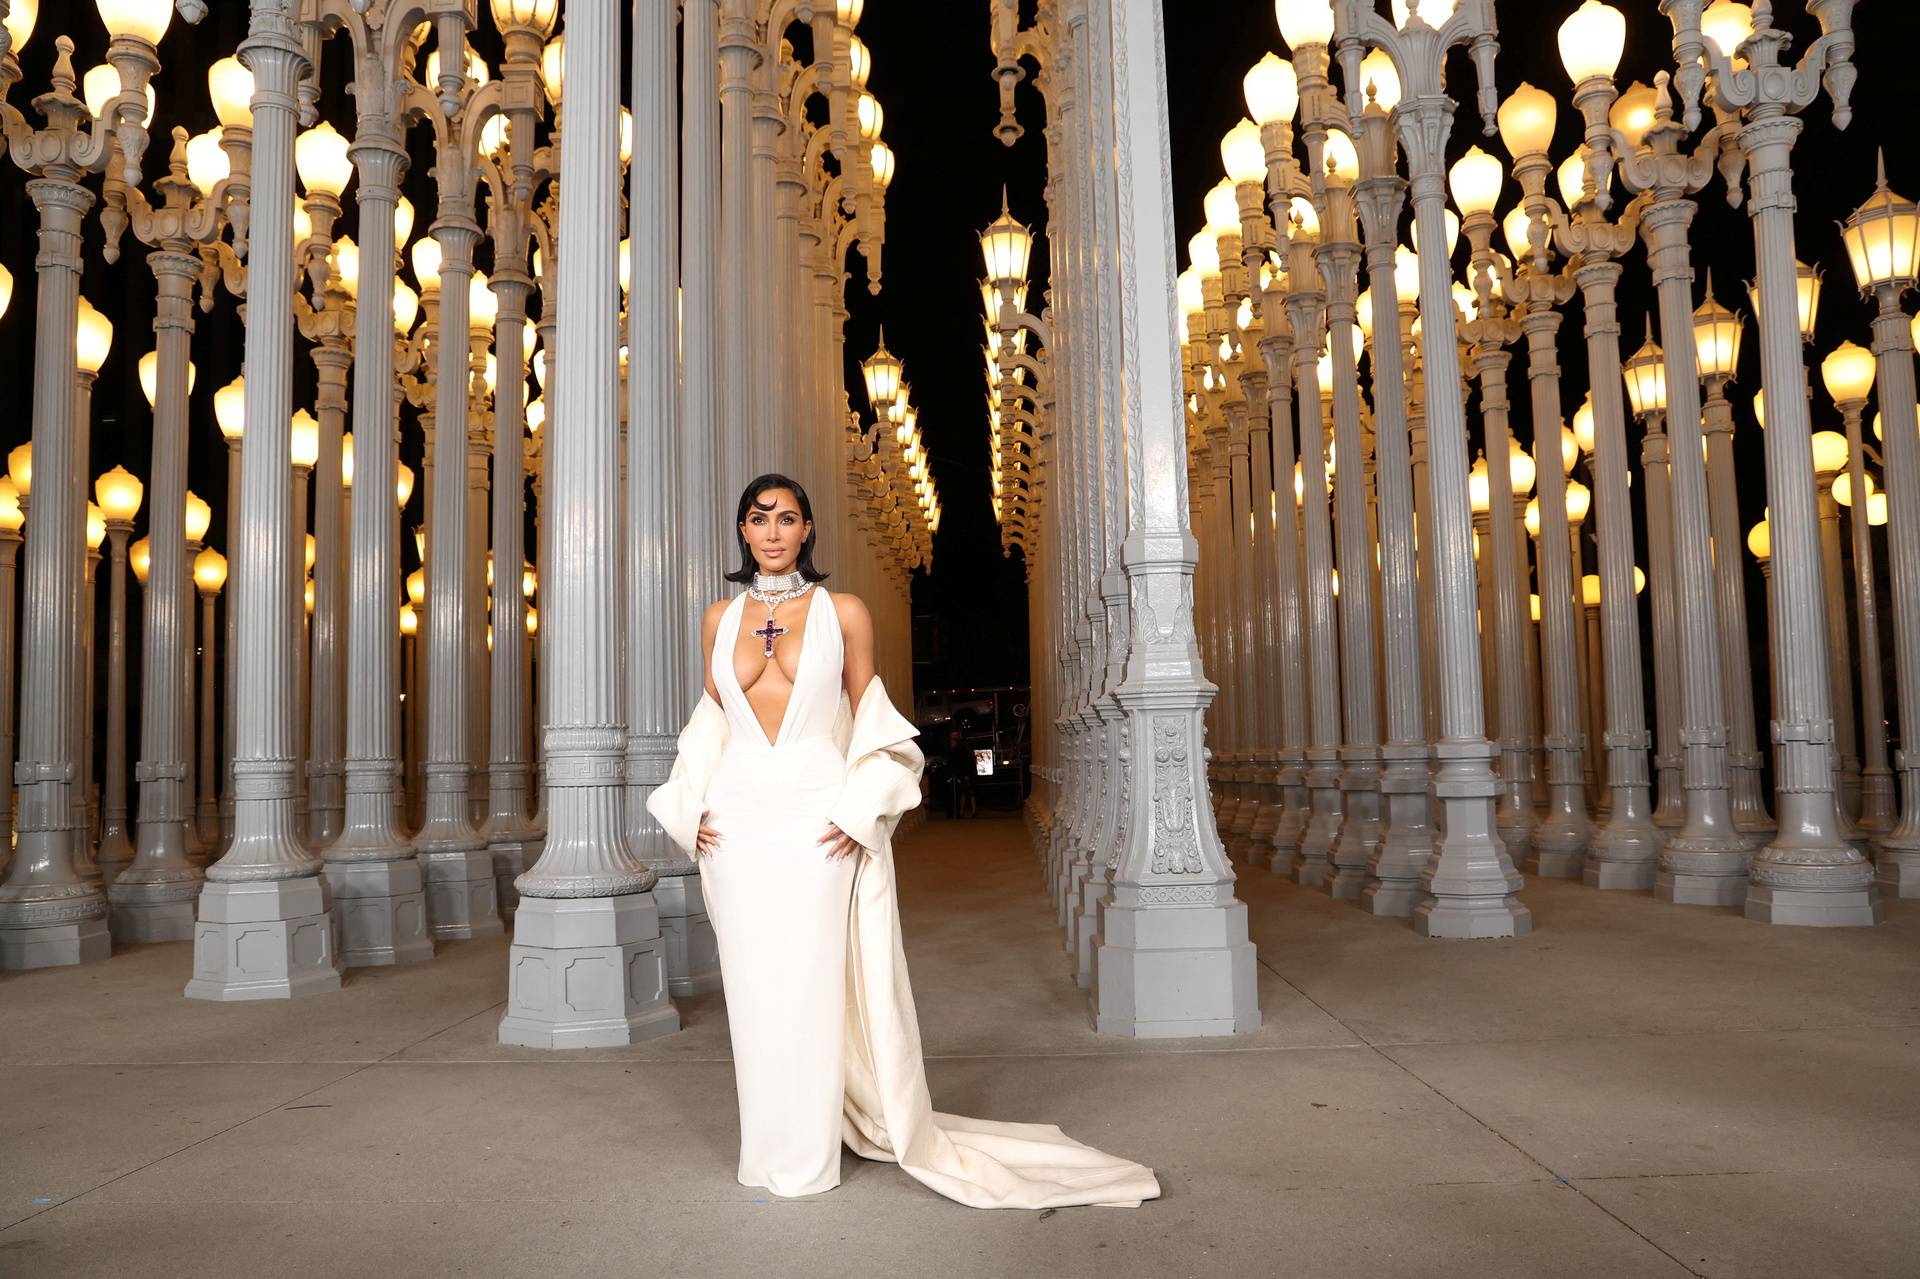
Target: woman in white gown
790 777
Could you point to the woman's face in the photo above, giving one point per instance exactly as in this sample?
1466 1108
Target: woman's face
775 531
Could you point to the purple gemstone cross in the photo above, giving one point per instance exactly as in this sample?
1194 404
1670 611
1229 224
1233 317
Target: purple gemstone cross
770 633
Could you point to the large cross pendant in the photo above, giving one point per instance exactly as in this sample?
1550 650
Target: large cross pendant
770 633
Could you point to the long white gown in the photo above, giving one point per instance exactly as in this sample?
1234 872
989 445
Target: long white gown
826 1042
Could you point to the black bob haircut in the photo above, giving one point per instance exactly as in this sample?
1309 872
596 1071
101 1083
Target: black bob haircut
750 498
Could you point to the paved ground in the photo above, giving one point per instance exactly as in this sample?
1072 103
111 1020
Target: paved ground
1635 1089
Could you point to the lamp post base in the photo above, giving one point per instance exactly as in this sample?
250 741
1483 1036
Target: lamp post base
462 895
1164 972
693 952
1815 908
379 913
1897 870
81 941
264 939
587 972
153 911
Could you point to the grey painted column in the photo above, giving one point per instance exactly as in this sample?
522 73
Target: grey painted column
11 521
378 891
1470 879
1276 348
116 850
1622 853
1750 816
588 966
1669 809
1809 874
1322 832
700 557
1897 853
1173 957
1876 779
1560 840
509 832
656 672
152 899
1406 842
462 897
1833 581
1339 258
762 365
739 410
49 913
326 803
264 927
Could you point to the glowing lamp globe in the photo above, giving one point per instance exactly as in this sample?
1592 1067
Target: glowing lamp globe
93 339
198 519
346 460
150 376
1380 79
553 68
1633 112
883 164
142 19
1406 275
1760 541
1590 590
406 308
1848 373
320 157
119 492
1303 217
417 586
1760 408
1192 300
230 408
1304 21
1532 520
101 85
403 483
1341 158
1479 494
6 288
96 527
870 115
1829 452
1204 253
1646 378
311 552
1526 121
536 415
1876 509
19 23
346 265
882 371
20 469
1475 181
537 16
1591 41
1727 23
1807 281
1843 487
207 162
1579 501
1515 228
1272 90
1520 468
209 571
1243 154
409 621
1452 220
1883 239
1639 579
230 86
859 61
1006 246
533 622
1222 209
1716 338
1583 425
529 580
12 518
426 263
140 560
476 71
305 439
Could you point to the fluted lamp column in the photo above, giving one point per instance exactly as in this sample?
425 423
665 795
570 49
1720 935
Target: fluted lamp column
1883 245
119 494
588 966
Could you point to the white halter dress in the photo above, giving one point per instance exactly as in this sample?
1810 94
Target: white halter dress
826 1040
779 910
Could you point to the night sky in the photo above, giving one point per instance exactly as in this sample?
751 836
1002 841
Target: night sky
931 71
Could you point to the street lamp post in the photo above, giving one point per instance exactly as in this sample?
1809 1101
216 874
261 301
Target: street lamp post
1809 873
1883 244
1470 878
119 494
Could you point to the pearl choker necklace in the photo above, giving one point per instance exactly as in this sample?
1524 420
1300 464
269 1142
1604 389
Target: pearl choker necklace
778 583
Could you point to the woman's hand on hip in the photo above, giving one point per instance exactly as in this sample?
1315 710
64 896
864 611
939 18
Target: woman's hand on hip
840 843
708 840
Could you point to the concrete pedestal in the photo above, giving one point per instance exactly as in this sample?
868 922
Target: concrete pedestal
693 953
1814 908
512 855
154 911
379 912
587 972
462 895
79 941
267 940
1897 871
1164 971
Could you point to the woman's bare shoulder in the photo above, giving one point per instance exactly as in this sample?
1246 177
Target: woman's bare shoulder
849 607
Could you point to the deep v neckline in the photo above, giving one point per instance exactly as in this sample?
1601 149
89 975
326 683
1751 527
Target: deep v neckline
799 667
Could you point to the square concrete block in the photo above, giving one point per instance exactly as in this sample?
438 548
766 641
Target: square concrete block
1172 972
379 912
693 953
270 940
136 922
1814 909
587 973
463 898
80 941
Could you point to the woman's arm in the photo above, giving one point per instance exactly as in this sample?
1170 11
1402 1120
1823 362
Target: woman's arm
856 633
709 628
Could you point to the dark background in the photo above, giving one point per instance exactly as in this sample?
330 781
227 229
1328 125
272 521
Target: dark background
931 71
